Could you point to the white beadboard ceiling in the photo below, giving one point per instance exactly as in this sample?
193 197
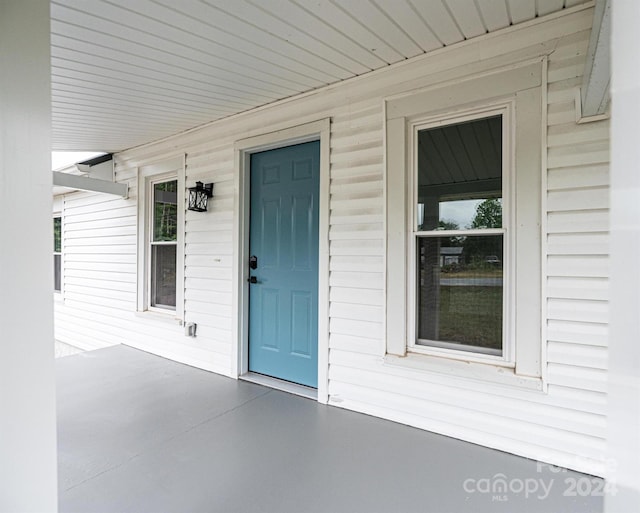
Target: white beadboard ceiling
127 72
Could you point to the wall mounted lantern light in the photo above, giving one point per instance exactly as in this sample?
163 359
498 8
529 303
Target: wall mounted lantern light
199 196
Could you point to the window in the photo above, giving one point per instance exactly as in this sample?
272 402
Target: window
163 245
458 234
57 254
161 238
463 220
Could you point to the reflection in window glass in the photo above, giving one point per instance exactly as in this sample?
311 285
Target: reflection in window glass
163 276
460 278
57 254
459 169
470 214
57 234
57 272
165 211
164 245
460 291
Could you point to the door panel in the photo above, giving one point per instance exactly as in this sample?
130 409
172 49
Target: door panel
283 303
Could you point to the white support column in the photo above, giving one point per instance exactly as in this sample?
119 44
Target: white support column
624 339
28 473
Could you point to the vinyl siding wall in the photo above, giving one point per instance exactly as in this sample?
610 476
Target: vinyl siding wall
564 425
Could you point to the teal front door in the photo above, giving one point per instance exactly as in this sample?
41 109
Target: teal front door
283 244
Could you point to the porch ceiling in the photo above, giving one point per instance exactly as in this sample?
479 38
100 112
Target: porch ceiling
129 72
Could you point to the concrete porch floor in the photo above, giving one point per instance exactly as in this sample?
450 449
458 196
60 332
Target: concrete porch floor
138 433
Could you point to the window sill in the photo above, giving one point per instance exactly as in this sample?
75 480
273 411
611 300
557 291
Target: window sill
168 317
483 372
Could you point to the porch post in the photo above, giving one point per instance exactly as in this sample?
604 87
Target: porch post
624 342
28 474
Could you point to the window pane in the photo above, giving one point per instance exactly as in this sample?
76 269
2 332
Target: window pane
57 234
163 275
460 292
165 211
459 171
57 272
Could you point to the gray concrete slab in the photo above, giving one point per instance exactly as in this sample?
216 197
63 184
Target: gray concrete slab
138 433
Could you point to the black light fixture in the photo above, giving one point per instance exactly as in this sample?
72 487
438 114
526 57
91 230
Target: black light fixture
199 196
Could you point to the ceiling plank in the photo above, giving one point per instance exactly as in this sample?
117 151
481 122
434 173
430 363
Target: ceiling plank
368 39
320 30
377 21
404 15
494 13
241 17
468 18
521 10
572 3
439 19
545 7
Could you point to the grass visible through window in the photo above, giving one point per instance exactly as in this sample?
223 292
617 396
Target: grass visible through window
471 315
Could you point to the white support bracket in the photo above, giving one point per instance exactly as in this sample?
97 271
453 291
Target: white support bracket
84 183
582 118
594 99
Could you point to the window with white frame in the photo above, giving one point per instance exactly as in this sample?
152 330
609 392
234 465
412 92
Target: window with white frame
57 253
161 237
463 209
163 244
458 233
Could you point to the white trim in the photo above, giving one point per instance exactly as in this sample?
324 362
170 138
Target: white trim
528 146
504 109
85 183
623 406
58 295
279 384
544 218
474 91
396 236
167 169
597 70
314 131
580 118
517 89
464 370
385 208
455 233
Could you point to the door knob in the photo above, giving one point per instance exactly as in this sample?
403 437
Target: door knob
253 279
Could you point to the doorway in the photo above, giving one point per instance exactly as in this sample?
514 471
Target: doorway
284 256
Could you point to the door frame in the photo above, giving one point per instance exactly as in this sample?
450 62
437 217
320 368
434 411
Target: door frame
314 131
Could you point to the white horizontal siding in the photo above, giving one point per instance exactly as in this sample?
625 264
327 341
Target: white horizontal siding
577 240
564 425
568 422
99 241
